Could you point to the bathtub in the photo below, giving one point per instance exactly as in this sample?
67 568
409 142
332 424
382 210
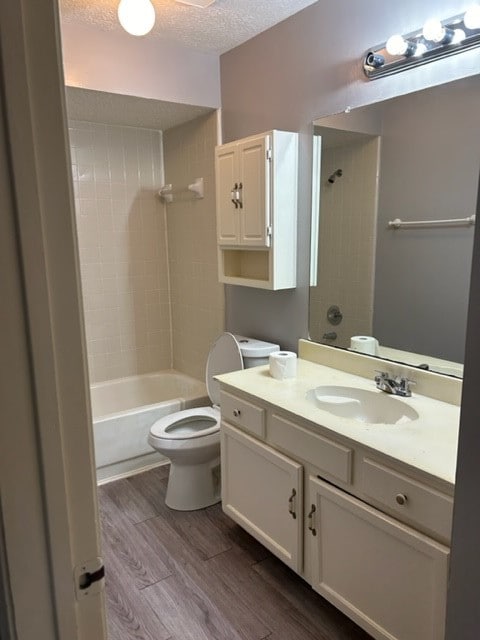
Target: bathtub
123 411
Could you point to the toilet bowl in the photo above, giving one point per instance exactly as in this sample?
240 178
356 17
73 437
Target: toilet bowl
191 438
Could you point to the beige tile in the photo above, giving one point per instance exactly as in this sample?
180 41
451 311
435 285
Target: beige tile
140 298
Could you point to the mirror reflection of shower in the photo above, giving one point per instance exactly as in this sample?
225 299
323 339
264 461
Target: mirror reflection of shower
338 173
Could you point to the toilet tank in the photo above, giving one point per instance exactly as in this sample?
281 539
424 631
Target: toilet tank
255 352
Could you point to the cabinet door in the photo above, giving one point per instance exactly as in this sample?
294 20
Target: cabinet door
262 491
387 577
255 191
226 176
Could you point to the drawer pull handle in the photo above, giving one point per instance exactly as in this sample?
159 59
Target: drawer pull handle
237 413
291 504
310 518
401 499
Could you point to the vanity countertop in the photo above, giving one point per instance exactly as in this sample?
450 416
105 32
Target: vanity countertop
428 444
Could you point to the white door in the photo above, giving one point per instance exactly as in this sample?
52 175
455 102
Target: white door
255 191
227 189
262 491
387 577
48 511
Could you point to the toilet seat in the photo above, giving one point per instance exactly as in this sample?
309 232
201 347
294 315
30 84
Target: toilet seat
201 422
224 356
187 425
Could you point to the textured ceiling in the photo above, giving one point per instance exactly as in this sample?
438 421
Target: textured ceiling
216 29
112 108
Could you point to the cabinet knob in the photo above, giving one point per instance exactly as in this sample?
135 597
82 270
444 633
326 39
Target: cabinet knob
237 413
401 499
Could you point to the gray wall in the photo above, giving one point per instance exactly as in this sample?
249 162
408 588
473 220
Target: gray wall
430 162
301 69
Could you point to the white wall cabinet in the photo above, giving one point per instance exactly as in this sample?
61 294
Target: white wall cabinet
256 199
375 545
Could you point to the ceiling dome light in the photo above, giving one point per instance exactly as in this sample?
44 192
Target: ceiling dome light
136 16
472 17
434 31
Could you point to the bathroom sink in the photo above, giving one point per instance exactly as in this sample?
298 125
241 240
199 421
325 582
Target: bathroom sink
370 407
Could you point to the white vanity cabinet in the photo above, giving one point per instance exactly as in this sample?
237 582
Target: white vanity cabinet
386 576
262 490
370 538
256 201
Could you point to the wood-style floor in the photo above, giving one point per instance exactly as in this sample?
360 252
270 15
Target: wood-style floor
196 575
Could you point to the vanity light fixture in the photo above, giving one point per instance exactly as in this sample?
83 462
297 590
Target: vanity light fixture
137 17
437 39
201 4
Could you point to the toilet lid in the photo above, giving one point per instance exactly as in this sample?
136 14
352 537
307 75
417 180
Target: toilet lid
224 357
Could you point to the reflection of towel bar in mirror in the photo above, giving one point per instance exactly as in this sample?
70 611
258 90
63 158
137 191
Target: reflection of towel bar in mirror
453 222
167 192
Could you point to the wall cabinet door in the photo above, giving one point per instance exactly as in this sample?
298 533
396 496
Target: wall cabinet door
254 171
262 491
243 192
384 575
228 218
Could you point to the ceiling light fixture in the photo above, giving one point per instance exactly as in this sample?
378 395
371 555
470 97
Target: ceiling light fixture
437 39
137 17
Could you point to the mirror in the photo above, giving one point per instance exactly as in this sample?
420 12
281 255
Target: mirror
414 158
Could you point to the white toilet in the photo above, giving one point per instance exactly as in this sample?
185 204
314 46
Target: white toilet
191 438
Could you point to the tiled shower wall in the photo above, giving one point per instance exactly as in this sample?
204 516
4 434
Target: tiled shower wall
197 297
346 249
123 253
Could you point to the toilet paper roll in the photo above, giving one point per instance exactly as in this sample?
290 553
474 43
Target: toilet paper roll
283 365
364 344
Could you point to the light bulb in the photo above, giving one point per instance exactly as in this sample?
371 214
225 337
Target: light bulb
420 49
433 30
471 18
396 45
458 36
136 16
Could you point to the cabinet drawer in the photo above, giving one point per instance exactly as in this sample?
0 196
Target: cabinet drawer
411 500
243 414
332 458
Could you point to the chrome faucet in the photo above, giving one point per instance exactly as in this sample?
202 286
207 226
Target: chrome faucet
399 386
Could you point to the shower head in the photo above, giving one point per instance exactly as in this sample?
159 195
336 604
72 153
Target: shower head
338 173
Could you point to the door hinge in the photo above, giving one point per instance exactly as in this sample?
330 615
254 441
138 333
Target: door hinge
269 154
89 578
269 231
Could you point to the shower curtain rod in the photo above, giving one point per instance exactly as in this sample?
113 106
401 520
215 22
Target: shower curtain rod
452 222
